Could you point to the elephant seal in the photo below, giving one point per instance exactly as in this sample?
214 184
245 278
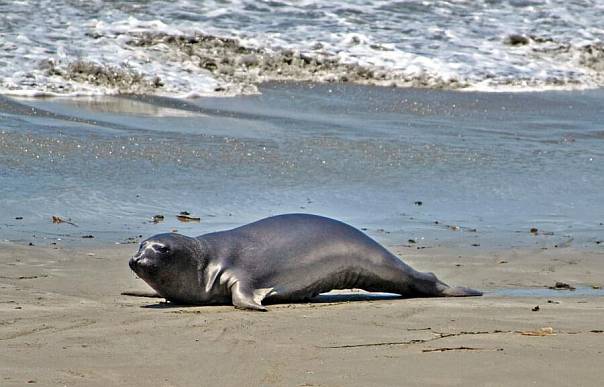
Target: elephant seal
284 258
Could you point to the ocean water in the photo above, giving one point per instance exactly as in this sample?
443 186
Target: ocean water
410 166
189 48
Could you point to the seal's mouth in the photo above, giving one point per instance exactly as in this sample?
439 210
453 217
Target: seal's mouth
132 263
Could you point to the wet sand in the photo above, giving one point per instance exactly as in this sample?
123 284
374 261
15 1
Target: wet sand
64 322
498 163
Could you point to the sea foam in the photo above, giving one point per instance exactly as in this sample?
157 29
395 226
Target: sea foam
185 49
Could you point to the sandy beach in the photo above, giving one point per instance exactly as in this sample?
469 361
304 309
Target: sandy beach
64 322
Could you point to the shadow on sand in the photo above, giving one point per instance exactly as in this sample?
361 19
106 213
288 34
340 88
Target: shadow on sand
320 299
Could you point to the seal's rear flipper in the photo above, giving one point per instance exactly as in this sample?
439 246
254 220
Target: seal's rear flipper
244 299
460 291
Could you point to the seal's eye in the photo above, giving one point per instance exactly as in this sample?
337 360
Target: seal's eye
162 249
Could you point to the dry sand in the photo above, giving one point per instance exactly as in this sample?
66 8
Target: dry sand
64 322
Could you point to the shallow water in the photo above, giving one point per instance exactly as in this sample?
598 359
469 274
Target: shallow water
185 47
546 292
486 167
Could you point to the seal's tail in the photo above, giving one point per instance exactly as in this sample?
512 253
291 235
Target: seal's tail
460 291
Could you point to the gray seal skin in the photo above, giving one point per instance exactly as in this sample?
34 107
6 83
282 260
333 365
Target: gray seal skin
284 258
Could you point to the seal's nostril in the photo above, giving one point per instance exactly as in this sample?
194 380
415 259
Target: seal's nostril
132 263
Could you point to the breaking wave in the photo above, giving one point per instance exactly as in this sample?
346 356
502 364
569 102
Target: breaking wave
188 49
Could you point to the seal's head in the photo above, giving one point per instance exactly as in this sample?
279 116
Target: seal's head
169 263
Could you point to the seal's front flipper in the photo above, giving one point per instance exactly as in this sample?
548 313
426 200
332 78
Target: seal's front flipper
243 298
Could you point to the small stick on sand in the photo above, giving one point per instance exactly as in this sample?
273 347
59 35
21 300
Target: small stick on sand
58 219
